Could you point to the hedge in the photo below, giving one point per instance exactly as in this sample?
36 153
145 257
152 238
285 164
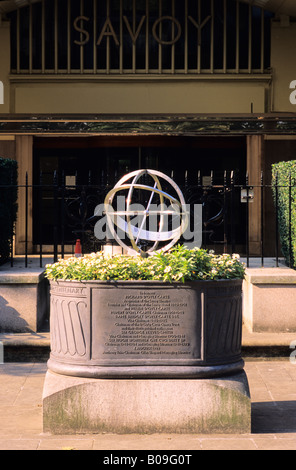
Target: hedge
8 205
284 176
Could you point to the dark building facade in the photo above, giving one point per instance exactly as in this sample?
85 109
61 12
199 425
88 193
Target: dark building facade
198 89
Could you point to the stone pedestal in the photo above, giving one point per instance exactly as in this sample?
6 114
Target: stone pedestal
269 297
146 357
24 300
73 405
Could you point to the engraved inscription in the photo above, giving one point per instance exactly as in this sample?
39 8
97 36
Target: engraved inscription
152 324
147 322
69 291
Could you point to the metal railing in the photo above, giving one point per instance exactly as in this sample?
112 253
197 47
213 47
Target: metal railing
237 216
94 37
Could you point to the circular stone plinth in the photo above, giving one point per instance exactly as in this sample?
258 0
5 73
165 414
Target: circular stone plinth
74 405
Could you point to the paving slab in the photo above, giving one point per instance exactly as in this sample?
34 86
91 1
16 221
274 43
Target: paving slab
273 396
272 385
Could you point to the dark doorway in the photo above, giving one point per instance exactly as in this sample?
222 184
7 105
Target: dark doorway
72 175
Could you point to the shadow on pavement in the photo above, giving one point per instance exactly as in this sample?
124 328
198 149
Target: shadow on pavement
23 369
274 417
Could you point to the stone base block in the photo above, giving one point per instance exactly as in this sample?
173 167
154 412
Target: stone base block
269 297
24 301
79 405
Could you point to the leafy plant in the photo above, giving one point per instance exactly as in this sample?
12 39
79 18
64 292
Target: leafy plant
284 189
180 264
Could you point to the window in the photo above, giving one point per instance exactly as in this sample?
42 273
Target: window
116 37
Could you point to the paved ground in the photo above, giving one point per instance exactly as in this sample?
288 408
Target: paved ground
273 395
272 385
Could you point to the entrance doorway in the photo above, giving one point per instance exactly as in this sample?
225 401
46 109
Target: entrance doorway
72 176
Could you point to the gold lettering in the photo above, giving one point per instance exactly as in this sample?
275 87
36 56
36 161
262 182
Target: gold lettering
199 26
134 34
108 30
82 31
135 30
174 39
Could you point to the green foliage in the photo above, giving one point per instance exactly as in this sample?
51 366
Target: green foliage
177 265
281 174
8 205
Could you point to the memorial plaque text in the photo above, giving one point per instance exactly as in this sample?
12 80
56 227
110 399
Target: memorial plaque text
145 324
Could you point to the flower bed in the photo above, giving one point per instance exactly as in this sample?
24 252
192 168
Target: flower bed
180 264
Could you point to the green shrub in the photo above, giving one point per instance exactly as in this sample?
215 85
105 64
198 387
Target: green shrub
180 264
282 172
8 205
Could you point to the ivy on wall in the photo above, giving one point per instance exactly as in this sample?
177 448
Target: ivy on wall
284 193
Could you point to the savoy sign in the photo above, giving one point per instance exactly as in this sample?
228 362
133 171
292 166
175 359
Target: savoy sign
80 24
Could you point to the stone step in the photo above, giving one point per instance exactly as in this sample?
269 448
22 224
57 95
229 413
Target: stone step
25 347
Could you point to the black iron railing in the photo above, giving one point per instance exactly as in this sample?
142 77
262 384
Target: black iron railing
237 216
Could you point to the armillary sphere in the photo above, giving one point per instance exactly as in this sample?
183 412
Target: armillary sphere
169 212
